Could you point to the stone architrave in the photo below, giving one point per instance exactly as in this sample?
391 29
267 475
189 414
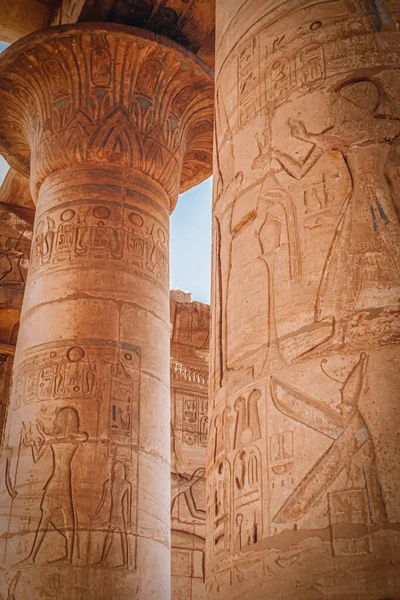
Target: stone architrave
303 469
190 324
110 123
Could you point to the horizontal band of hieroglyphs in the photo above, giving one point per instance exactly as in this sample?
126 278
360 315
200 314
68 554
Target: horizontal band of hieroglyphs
94 233
302 67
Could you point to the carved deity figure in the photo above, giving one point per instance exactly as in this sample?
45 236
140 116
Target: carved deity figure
352 447
118 490
365 252
57 506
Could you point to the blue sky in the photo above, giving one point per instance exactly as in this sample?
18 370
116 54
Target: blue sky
190 249
191 242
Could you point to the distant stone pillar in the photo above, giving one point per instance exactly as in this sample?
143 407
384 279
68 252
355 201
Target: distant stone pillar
16 222
190 327
111 123
304 452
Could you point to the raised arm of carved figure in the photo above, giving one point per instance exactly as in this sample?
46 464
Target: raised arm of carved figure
321 142
37 448
299 130
41 430
295 168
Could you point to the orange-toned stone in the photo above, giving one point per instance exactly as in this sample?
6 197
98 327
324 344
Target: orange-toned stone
20 17
110 124
304 470
190 324
16 218
190 24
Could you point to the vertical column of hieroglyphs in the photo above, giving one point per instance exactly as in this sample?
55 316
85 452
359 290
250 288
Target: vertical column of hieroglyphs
303 469
190 324
103 119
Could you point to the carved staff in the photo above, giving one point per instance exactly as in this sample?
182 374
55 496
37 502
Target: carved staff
12 487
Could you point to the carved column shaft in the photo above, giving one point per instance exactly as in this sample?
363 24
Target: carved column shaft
111 124
304 460
190 326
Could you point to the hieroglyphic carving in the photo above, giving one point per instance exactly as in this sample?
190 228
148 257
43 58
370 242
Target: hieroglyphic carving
269 236
247 420
195 420
271 194
313 210
302 71
221 433
15 241
274 225
237 308
189 431
185 549
191 325
368 224
188 530
248 82
282 452
54 375
91 233
63 441
14 253
347 427
221 506
105 382
123 410
117 491
116 119
189 427
181 485
317 203
349 507
247 498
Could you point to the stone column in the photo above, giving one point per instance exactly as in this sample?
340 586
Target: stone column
111 123
304 469
16 222
190 327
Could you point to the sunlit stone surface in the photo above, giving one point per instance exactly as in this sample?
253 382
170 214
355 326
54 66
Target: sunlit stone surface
109 123
190 325
303 455
103 489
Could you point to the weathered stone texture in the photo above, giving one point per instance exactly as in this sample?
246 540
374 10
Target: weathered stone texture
190 324
109 123
303 466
